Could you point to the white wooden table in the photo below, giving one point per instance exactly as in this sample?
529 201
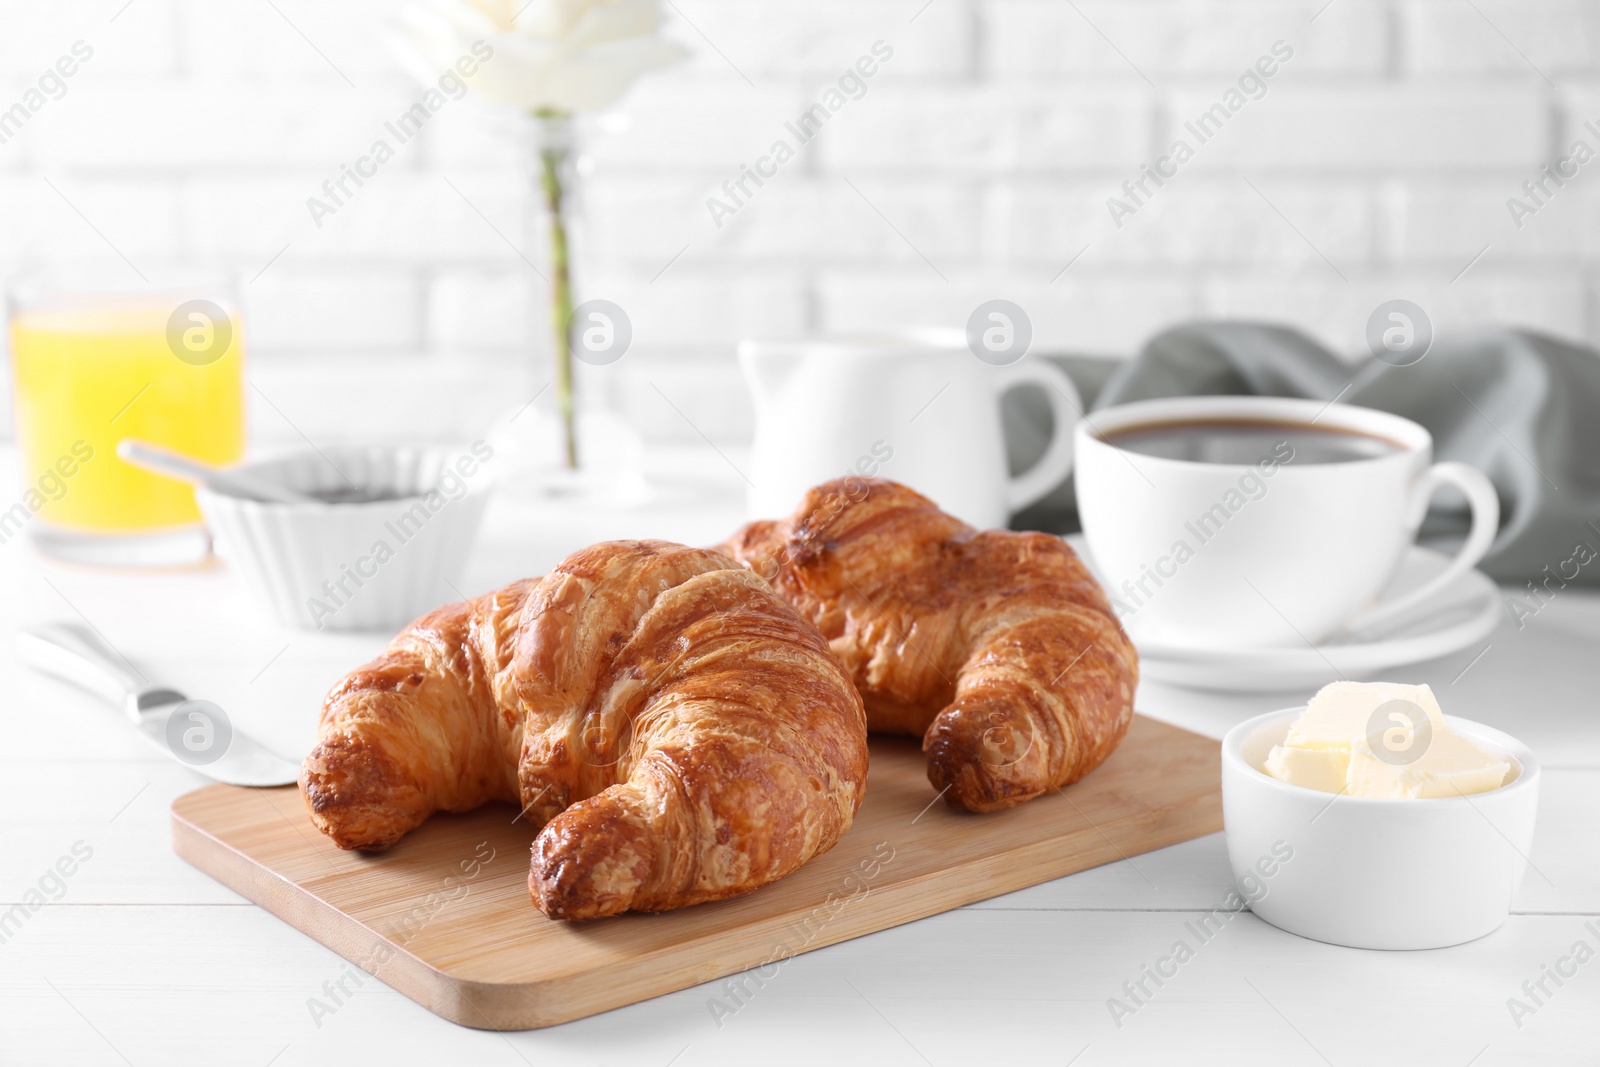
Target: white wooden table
138 958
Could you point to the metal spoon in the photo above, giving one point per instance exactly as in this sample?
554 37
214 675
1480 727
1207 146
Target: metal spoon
188 469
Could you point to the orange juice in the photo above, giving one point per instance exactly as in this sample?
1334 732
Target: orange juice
88 374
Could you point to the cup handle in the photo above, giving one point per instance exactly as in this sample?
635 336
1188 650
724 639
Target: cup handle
1485 504
1066 407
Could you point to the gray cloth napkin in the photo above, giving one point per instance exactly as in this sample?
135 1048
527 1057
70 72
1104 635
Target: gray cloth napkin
1522 407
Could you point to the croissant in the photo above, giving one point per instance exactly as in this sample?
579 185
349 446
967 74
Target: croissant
671 727
998 649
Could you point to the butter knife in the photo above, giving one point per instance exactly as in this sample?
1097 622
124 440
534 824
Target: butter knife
197 733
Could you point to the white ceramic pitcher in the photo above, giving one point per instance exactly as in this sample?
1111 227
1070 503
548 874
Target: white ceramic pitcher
918 408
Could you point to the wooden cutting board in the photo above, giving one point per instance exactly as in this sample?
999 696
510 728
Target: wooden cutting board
444 917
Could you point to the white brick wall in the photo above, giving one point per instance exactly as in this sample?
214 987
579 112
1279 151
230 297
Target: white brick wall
1049 39
977 164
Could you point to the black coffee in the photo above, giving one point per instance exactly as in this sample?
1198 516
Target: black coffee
1243 442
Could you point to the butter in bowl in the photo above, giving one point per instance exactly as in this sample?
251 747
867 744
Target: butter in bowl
1380 739
1404 828
382 535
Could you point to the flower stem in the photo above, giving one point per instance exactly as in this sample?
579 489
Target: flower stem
552 160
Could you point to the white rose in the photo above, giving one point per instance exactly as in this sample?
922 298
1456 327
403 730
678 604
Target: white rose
556 55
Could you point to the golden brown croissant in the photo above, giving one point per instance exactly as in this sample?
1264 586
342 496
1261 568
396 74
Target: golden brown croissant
678 732
997 648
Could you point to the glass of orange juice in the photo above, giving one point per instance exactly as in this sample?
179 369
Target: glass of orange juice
92 367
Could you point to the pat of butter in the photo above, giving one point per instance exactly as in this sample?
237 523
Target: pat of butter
1449 766
1327 747
1340 711
1314 768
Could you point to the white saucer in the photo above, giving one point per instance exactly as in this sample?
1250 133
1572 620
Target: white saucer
1465 612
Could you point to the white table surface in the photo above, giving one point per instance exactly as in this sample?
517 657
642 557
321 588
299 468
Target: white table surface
144 960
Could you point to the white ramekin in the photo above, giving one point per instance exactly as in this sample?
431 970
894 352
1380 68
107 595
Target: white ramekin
365 566
1376 873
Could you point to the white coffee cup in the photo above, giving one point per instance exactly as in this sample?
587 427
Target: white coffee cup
919 408
1272 553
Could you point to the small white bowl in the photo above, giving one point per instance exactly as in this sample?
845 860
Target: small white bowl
355 566
1376 873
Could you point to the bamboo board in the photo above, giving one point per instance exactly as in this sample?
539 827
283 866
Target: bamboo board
444 917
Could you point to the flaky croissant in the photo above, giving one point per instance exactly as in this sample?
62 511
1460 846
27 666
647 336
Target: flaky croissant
674 729
997 648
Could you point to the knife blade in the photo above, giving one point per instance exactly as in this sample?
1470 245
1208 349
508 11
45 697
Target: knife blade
197 733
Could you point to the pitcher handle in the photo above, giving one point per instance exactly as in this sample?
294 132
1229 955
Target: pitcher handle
1066 408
